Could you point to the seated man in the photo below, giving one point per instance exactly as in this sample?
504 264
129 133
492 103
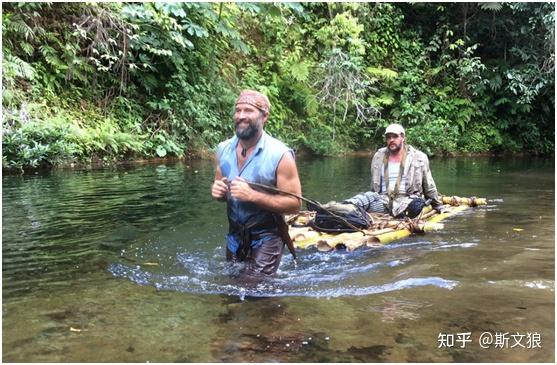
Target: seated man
401 180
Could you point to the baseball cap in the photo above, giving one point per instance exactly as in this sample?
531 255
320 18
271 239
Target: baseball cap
395 129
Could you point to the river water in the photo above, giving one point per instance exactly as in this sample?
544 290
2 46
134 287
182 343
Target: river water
127 265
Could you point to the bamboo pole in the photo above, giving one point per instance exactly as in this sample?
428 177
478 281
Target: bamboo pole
310 241
430 225
379 231
352 240
323 246
455 200
426 215
391 236
355 243
452 212
327 242
300 233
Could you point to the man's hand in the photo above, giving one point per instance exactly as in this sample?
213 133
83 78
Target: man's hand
287 180
240 189
219 189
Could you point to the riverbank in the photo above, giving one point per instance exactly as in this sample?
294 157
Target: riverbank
206 154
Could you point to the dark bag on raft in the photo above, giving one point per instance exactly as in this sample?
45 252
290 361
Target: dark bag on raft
339 217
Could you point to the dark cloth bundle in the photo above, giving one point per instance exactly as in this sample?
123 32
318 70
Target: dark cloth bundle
339 217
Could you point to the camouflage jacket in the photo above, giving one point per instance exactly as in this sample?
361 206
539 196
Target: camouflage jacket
419 180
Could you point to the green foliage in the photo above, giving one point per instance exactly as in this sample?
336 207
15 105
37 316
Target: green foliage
434 137
317 139
161 145
37 135
383 22
343 32
105 81
483 138
35 145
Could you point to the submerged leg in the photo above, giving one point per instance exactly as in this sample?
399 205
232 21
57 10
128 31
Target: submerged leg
265 259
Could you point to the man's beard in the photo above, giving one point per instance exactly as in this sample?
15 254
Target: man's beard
249 132
397 147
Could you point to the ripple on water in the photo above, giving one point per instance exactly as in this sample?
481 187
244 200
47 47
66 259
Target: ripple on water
316 275
532 284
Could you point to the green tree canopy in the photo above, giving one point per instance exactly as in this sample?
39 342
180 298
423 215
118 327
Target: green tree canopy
104 81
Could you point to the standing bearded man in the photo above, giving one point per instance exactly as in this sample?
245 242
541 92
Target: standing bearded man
257 231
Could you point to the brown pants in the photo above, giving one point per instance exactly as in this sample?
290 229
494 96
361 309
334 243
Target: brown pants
263 260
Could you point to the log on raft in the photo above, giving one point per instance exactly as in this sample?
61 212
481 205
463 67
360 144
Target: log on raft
385 229
455 200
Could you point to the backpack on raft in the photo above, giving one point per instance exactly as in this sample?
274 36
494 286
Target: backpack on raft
339 217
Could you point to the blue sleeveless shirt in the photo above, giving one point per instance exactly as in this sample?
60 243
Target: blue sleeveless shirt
260 167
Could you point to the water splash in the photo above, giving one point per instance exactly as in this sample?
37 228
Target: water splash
314 274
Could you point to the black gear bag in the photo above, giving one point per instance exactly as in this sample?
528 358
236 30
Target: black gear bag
339 217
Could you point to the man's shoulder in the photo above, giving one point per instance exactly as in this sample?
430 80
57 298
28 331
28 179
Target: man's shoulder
380 152
417 153
274 140
275 144
226 143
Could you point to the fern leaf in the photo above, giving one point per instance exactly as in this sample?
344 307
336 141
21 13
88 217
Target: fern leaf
491 6
27 48
382 73
300 71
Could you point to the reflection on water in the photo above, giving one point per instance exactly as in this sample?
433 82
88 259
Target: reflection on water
131 261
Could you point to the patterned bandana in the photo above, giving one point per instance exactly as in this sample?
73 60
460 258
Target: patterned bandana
255 99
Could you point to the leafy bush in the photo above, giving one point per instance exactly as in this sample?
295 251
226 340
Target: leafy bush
434 137
37 135
117 80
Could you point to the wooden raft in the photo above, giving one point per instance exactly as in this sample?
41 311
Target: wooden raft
384 229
